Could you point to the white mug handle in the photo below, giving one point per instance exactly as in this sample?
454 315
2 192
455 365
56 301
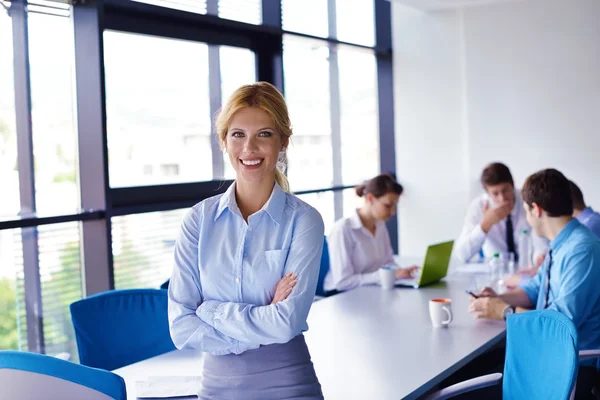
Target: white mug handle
449 313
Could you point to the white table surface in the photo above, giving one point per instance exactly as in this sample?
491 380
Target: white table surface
369 343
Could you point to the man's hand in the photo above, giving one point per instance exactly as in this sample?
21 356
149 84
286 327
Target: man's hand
539 260
488 307
493 215
284 288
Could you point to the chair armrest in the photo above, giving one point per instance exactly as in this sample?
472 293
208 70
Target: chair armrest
585 354
466 386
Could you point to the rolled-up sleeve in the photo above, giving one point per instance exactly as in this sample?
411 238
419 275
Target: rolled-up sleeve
188 331
281 322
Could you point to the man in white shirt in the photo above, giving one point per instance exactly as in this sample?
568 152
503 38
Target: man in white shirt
495 219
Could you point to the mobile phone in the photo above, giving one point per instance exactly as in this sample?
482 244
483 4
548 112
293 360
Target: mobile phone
471 293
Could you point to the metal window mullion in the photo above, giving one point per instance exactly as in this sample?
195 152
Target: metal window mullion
97 260
271 13
214 84
212 7
385 96
29 236
335 109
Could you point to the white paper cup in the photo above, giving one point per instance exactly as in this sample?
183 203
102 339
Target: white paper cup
387 277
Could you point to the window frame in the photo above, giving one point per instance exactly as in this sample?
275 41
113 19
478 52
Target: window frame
99 202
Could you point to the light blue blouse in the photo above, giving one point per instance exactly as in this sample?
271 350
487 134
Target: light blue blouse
226 271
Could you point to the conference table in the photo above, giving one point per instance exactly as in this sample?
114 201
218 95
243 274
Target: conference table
370 343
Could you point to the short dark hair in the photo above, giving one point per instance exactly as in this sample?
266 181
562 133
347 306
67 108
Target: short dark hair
495 174
550 190
577 196
379 186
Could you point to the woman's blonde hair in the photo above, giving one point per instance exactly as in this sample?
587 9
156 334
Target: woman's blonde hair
265 96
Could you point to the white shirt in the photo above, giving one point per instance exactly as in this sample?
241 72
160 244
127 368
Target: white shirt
356 254
473 238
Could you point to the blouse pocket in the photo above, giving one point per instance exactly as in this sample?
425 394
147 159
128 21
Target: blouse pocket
268 269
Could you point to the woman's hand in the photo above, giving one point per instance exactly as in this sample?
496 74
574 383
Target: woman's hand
406 272
284 288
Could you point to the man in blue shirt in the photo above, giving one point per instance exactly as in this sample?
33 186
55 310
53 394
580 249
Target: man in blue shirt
586 215
572 267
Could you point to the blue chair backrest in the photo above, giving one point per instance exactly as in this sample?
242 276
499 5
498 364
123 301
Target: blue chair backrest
99 380
323 270
541 356
121 327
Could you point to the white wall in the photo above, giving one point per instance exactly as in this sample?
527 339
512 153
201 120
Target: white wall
515 82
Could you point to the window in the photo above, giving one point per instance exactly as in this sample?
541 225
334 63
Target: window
237 68
248 11
355 21
13 322
323 202
359 119
52 109
194 6
9 176
351 201
143 248
157 98
306 66
60 274
305 16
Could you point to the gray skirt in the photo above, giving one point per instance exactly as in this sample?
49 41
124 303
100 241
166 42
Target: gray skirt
276 371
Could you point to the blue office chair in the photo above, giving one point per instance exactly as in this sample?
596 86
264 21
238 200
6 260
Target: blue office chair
542 359
323 270
26 375
121 327
165 284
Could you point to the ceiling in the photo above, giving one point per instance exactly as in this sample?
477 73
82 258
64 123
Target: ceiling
447 4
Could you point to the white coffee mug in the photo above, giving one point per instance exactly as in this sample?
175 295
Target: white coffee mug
387 277
440 312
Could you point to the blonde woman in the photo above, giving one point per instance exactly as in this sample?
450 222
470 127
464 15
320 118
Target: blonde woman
247 263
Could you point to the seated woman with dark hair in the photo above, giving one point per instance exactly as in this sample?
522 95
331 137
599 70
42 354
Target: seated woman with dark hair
360 244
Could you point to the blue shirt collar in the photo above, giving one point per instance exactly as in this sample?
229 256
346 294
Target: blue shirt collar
274 206
564 234
585 214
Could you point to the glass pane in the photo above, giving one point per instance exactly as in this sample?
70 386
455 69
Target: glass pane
195 6
359 115
13 322
323 202
238 67
143 248
60 274
9 200
356 21
248 11
53 117
305 16
310 154
351 202
158 113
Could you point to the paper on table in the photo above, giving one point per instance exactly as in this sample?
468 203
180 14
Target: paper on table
160 387
477 268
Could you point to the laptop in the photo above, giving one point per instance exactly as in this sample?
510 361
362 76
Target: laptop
434 267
